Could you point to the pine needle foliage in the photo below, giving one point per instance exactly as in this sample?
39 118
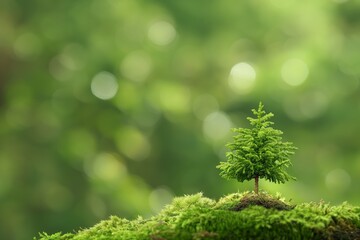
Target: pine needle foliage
258 152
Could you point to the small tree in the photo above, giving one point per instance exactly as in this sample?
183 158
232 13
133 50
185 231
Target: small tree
258 152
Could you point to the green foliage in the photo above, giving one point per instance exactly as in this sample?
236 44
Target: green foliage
197 217
258 152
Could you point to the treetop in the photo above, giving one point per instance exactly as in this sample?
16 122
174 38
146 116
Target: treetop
258 152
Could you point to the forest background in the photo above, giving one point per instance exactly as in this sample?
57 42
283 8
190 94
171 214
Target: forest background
112 107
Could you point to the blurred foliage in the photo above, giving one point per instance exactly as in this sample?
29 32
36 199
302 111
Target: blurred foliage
111 107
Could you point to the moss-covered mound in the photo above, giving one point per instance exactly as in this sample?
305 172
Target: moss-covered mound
236 216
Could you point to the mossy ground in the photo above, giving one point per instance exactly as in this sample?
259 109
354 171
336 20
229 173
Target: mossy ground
235 216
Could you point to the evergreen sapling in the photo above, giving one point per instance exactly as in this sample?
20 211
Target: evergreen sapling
258 152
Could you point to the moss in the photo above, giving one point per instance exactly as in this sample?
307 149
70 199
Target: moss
235 216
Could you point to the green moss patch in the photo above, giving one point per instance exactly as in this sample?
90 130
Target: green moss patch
235 216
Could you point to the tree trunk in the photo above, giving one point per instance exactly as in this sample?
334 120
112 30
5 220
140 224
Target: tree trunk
257 184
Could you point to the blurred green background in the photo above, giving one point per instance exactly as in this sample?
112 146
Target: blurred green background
112 107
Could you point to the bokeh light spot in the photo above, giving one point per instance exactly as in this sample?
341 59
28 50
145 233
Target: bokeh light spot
162 33
104 85
216 126
107 167
242 78
133 143
294 72
170 97
159 197
338 180
136 66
